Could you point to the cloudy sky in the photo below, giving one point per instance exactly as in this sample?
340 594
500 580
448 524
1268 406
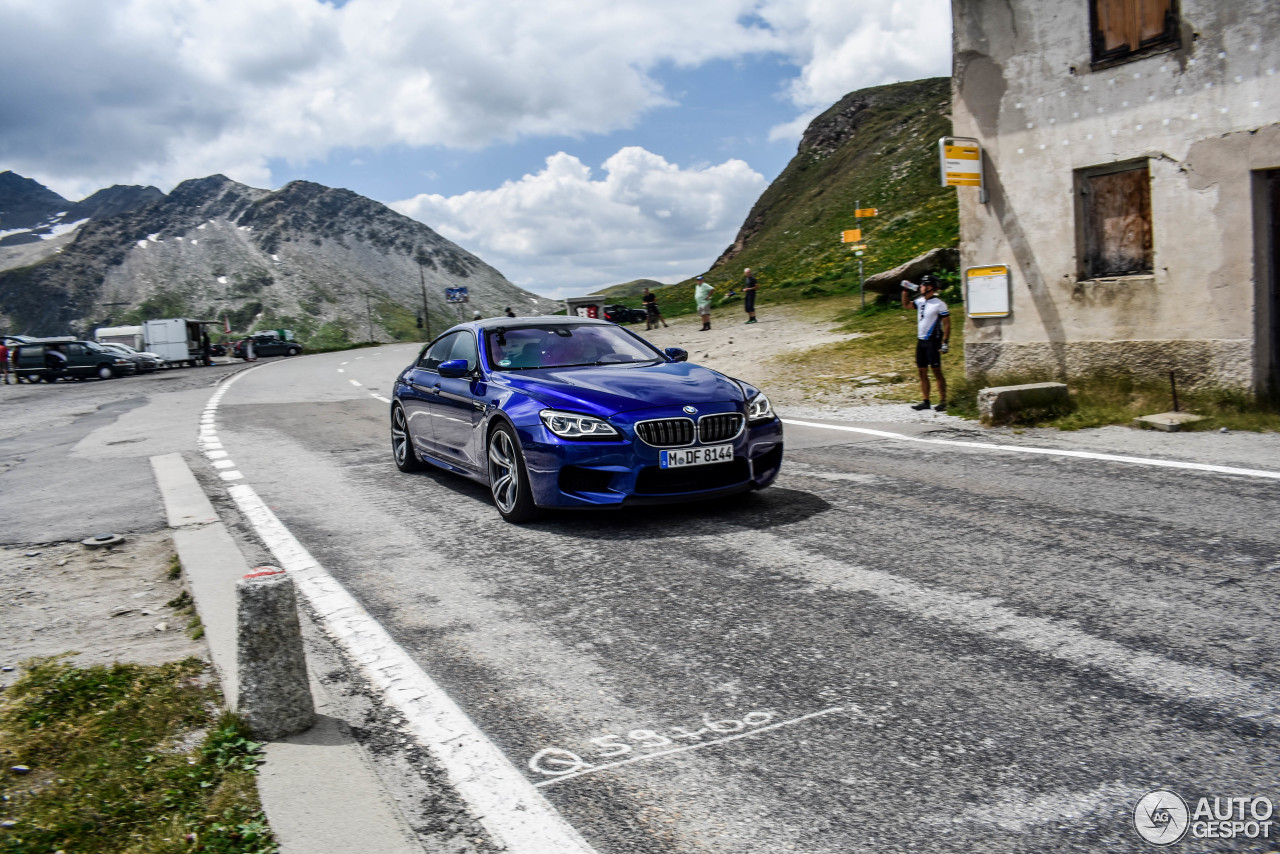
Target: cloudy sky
570 143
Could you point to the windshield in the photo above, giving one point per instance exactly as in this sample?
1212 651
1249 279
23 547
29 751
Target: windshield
514 348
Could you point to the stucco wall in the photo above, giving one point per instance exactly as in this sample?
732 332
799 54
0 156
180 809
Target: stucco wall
1203 116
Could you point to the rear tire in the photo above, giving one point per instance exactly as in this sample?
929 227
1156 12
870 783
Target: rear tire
508 477
402 444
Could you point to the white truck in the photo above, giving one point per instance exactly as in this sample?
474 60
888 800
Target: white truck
174 339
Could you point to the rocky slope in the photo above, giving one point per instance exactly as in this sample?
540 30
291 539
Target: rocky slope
329 264
875 148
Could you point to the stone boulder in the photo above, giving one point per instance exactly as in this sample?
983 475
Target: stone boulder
934 261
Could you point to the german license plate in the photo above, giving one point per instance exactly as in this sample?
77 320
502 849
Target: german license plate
682 457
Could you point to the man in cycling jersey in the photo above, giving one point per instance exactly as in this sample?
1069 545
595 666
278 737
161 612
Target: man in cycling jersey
933 336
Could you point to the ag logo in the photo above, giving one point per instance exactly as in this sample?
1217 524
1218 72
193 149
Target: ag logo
1160 817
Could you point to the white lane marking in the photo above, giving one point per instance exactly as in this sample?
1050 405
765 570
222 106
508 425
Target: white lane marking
380 397
215 455
1053 452
223 464
596 768
355 383
505 802
340 370
1148 672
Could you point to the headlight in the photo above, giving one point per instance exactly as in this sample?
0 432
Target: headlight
568 425
759 409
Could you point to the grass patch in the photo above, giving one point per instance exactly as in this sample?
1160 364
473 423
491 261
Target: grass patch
175 568
885 349
1100 401
126 759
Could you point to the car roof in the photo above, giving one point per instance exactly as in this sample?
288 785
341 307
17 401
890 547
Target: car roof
540 320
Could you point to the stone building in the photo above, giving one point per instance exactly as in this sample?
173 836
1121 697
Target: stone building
1132 163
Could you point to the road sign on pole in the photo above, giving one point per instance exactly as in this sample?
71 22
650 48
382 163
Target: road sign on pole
866 212
852 235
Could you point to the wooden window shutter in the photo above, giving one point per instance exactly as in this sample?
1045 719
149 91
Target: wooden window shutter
1125 26
1117 227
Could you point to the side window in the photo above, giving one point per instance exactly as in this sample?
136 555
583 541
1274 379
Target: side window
75 350
1115 220
465 348
1128 29
438 352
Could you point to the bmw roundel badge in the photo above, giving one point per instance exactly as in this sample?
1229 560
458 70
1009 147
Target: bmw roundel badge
692 410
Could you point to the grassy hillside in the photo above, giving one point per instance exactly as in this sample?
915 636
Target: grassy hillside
876 148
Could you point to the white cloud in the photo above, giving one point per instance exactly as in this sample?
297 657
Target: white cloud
844 45
157 91
563 231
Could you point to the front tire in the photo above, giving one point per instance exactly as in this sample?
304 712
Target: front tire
293 351
508 477
105 373
401 443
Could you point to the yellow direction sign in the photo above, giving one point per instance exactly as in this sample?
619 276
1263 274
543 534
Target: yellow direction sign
865 212
852 235
858 247
961 161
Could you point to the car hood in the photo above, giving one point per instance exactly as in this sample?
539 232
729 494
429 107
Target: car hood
608 389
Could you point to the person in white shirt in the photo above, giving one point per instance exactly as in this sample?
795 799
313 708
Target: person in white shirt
702 296
933 336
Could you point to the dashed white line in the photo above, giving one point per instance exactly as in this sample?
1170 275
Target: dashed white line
1052 452
356 383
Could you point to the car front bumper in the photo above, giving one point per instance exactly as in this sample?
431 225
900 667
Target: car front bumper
564 473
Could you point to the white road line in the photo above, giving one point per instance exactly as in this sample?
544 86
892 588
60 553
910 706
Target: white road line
511 809
1053 452
380 397
504 801
685 749
355 383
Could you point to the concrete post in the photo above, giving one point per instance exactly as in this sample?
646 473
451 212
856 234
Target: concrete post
275 694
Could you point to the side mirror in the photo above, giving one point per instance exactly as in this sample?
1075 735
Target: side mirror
454 368
675 354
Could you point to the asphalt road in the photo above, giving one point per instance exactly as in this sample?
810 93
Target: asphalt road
898 647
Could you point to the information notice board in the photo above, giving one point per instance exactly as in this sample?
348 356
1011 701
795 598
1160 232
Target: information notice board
987 291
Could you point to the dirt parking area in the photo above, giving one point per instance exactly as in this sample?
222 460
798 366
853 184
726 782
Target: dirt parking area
105 604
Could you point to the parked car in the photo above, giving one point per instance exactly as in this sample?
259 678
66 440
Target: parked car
573 412
76 359
143 360
623 314
217 349
268 345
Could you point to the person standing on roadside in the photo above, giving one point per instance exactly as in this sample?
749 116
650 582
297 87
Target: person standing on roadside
749 295
933 337
702 296
4 362
651 314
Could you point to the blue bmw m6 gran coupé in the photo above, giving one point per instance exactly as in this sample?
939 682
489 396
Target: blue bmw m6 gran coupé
570 412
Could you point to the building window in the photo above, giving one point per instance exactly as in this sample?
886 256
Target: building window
1115 220
1128 29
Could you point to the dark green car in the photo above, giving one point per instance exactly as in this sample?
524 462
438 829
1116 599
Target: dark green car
66 358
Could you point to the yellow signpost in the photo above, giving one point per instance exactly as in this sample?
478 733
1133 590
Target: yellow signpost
865 212
852 235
